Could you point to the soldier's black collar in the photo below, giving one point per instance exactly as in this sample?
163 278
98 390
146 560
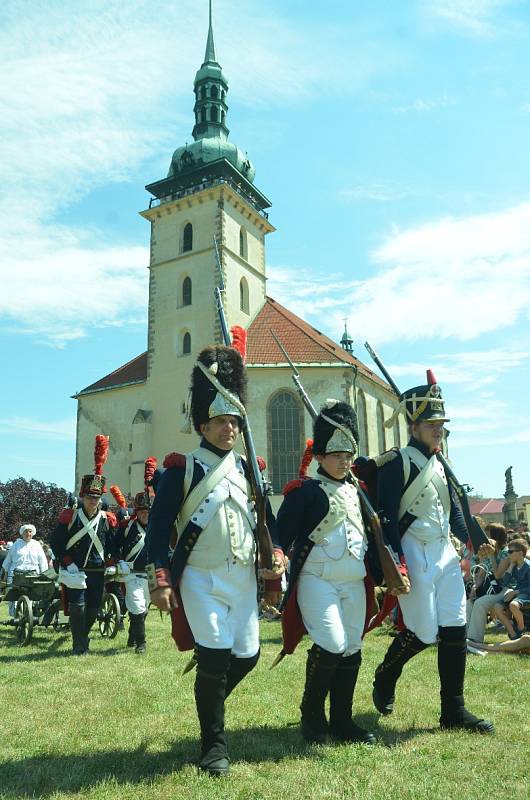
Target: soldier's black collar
212 449
419 446
322 471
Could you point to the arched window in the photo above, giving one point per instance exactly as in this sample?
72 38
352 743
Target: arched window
361 422
285 423
223 117
203 92
397 433
186 344
380 417
213 114
214 92
243 296
186 291
187 239
203 114
242 243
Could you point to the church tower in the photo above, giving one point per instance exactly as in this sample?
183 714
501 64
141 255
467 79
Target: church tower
208 194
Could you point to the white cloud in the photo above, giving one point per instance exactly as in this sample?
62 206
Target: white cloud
88 93
467 369
380 192
456 278
60 430
424 105
475 18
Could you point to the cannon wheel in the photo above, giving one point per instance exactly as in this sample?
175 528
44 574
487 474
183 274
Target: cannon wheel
24 620
109 616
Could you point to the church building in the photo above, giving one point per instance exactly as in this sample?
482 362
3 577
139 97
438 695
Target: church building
210 194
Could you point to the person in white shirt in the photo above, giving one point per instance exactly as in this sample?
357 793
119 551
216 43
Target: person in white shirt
26 555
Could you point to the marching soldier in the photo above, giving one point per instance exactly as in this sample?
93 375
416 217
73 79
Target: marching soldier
418 512
323 518
212 574
131 553
82 543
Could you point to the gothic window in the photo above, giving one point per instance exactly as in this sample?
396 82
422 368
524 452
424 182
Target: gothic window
213 114
285 438
203 92
223 117
203 114
214 92
186 292
186 344
380 417
362 424
187 239
223 94
243 296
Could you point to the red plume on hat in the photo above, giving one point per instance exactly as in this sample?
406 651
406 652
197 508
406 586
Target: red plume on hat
306 458
101 452
150 466
239 340
431 377
118 496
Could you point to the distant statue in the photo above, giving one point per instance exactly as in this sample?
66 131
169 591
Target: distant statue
509 481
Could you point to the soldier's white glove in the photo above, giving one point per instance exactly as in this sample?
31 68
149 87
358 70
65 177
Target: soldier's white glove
110 571
72 569
123 568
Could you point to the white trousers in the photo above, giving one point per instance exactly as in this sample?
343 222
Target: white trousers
136 594
333 612
222 608
437 595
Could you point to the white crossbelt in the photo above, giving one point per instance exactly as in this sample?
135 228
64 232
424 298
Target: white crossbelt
89 528
138 547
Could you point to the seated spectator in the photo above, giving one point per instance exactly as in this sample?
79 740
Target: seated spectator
520 596
483 566
482 606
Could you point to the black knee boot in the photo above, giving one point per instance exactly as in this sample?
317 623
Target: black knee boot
76 615
320 669
239 667
341 725
210 692
404 647
451 668
131 639
91 615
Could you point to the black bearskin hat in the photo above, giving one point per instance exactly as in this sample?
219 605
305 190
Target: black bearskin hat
341 413
228 369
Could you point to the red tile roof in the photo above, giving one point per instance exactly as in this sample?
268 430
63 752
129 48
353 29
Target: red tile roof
304 344
134 371
488 505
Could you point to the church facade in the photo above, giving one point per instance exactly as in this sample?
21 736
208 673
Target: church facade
209 200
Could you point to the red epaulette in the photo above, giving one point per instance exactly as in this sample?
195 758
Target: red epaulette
292 485
262 464
65 517
174 460
111 518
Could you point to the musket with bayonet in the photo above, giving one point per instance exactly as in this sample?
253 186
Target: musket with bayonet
259 488
394 580
476 534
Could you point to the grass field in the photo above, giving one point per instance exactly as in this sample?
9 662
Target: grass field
116 725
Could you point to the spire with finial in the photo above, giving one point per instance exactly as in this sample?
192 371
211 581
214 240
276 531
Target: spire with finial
211 88
346 341
209 54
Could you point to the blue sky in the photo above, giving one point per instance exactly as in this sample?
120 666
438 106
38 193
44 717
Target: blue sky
391 137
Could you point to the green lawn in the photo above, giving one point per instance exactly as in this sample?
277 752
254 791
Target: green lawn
116 725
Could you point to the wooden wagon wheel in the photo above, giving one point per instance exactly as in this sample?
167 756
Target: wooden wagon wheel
24 620
109 616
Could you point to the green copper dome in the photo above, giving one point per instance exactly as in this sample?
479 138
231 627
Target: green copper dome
210 132
207 150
